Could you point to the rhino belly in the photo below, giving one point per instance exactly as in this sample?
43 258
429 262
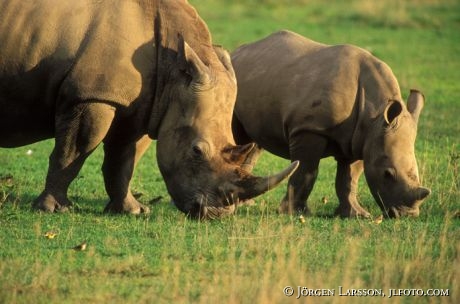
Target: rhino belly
267 132
275 146
24 124
28 98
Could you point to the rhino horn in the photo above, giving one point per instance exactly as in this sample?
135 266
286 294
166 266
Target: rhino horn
253 186
246 187
237 154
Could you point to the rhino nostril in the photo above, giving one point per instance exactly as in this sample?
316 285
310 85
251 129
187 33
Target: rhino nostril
195 210
393 213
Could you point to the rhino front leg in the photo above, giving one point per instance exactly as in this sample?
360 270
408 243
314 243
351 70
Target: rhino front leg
308 149
118 168
346 186
79 130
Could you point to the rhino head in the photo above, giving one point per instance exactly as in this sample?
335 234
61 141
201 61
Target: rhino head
196 153
390 166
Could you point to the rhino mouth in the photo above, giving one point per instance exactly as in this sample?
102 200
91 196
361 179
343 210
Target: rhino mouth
211 202
212 212
202 208
401 211
406 206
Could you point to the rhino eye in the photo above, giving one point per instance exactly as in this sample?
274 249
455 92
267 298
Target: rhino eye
390 174
200 149
197 151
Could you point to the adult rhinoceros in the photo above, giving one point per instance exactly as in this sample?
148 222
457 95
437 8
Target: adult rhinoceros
87 72
312 101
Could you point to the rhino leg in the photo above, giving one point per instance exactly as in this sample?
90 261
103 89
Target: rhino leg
79 130
119 163
346 186
308 149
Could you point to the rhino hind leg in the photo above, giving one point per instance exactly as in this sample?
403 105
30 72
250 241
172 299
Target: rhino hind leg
79 130
346 185
308 149
119 163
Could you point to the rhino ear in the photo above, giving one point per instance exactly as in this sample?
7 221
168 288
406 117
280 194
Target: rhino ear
190 63
415 103
225 59
393 109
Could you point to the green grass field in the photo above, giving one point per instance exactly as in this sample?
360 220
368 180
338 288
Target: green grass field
250 257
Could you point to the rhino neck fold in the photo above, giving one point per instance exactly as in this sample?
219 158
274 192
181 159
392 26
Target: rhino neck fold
162 58
169 25
357 140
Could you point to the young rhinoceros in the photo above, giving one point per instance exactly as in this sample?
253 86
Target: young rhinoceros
303 100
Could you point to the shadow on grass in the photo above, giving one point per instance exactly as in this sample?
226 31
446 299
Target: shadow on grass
11 201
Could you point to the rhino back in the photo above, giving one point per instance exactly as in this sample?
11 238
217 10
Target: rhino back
298 85
39 43
92 42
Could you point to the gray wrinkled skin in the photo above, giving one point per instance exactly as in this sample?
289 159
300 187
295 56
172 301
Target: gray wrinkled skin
123 73
313 101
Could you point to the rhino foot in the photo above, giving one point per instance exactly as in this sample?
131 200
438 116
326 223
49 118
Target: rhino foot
49 203
351 212
128 205
292 209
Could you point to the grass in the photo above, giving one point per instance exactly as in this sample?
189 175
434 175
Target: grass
250 257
